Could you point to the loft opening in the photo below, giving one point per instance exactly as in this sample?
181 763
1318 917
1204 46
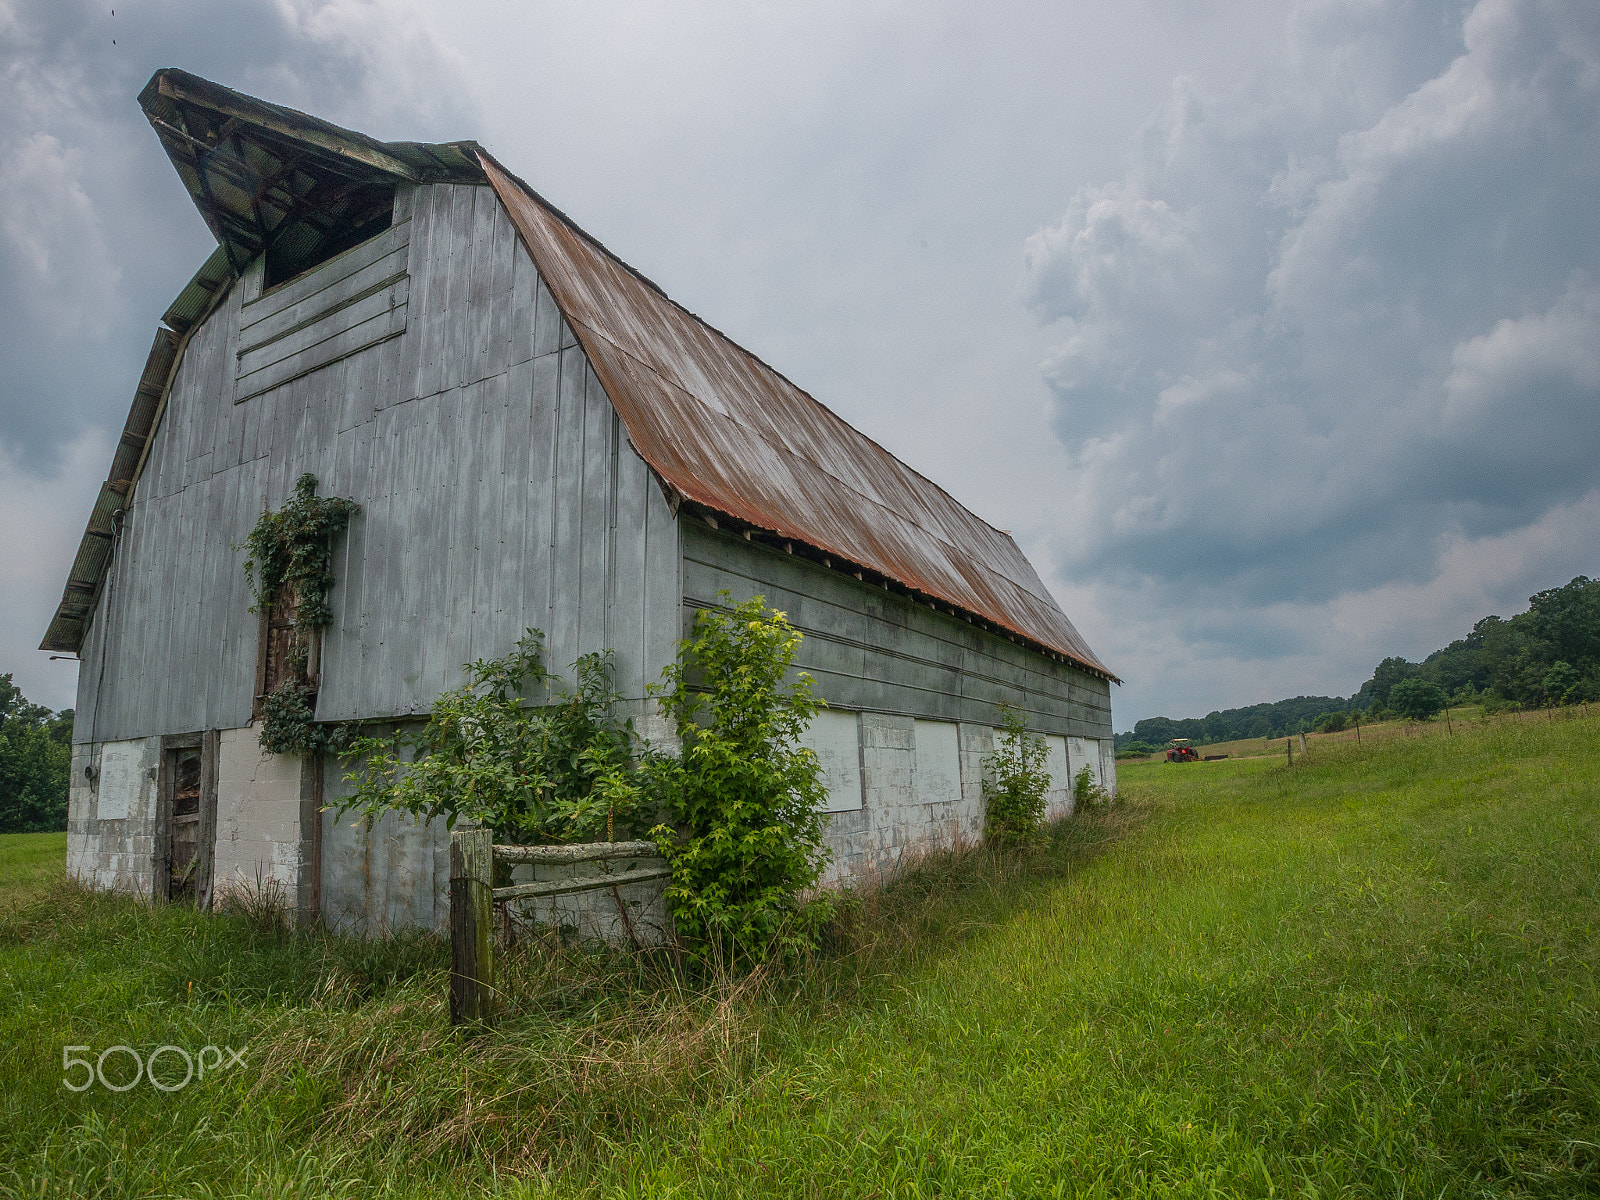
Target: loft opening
360 211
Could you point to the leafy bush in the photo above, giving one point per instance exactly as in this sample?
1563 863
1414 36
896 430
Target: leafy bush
743 799
1334 722
1563 684
1086 792
1016 783
1494 704
1417 699
560 771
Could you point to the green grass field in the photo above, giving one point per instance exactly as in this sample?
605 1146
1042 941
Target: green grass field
1461 719
1373 975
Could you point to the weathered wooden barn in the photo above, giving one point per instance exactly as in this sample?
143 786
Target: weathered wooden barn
537 436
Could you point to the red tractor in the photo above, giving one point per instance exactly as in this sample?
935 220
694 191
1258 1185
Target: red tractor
1182 752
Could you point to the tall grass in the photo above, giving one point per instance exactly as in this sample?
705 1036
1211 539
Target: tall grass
1373 974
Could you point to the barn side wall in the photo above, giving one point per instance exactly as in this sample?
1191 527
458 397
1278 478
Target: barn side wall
906 668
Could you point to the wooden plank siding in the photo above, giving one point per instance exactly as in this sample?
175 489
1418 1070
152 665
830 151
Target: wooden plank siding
498 490
880 651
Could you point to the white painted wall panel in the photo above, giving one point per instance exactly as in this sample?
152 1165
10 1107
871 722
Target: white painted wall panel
836 737
1059 801
124 785
938 761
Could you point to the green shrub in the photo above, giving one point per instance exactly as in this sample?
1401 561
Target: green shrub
1016 782
743 800
1334 722
560 771
1417 699
1087 792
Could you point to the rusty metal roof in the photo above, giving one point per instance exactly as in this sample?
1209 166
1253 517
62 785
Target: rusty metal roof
718 425
730 433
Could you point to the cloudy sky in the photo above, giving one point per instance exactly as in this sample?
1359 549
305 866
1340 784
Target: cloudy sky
1272 332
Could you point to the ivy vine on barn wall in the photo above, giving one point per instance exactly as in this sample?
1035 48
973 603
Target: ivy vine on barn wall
290 554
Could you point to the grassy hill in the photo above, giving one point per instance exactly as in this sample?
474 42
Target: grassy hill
1373 974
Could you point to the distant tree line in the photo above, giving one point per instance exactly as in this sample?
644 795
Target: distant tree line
35 757
1546 656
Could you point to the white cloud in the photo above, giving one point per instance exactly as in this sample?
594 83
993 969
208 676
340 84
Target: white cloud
1543 357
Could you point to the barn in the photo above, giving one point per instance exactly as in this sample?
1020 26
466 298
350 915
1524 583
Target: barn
537 436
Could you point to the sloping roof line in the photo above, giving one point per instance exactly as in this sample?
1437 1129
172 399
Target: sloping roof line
731 433
194 303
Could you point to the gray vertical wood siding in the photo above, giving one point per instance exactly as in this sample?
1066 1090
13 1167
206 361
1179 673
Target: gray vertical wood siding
497 488
880 651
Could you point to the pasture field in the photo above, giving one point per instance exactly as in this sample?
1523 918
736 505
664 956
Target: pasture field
30 863
1372 975
1462 718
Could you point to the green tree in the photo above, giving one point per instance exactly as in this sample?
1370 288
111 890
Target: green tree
744 801
1375 693
35 759
1417 699
1561 683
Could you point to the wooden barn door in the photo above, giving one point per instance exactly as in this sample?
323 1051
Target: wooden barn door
187 830
282 649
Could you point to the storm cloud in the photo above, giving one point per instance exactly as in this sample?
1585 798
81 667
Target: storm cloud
1333 326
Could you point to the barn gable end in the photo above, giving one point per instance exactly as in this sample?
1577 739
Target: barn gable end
536 437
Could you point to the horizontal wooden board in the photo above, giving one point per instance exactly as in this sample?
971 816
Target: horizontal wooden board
354 300
261 305
323 344
874 650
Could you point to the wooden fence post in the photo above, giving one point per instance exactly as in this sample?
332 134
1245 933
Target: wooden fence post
471 916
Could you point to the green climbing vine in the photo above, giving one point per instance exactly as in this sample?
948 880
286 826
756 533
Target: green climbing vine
293 547
290 554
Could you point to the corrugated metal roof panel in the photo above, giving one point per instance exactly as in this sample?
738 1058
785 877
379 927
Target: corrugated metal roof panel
195 299
732 434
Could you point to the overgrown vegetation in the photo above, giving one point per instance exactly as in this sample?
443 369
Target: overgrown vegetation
1016 782
744 802
1086 790
35 757
514 749
292 549
289 560
1372 974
